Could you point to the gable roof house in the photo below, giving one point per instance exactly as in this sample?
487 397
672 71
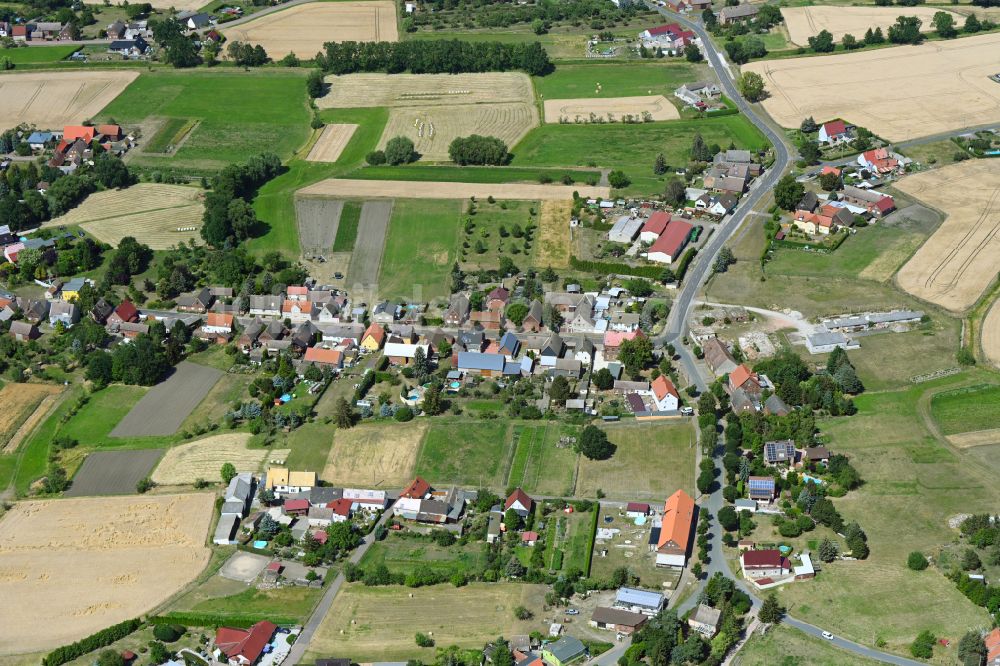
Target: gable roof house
509 345
617 619
198 301
992 642
520 502
324 358
23 331
876 203
775 406
671 242
218 323
497 299
129 47
655 225
243 647
533 320
744 12
563 651
373 338
458 310
35 310
297 311
761 488
671 37
675 530
489 320
665 394
879 161
757 564
717 357
61 311
744 378
833 133
705 620
101 311
401 353
781 452
613 341
266 305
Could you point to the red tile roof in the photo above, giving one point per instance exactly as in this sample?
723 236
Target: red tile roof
74 132
417 489
296 505
637 506
127 311
615 338
376 332
321 535
764 559
320 355
518 496
741 375
298 291
529 536
246 643
656 223
109 130
829 169
671 240
218 319
274 566
663 386
992 641
341 507
678 517
500 293
835 128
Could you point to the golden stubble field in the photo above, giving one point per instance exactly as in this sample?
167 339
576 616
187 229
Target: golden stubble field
204 458
158 215
991 334
578 110
375 455
70 567
405 189
806 22
434 109
899 93
959 261
331 142
50 100
304 29
21 402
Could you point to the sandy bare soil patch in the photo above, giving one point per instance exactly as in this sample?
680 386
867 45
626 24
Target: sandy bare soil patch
20 402
376 455
806 22
75 566
991 334
304 29
967 440
203 458
403 189
579 110
922 90
957 263
394 90
163 409
51 100
433 128
554 233
331 143
158 215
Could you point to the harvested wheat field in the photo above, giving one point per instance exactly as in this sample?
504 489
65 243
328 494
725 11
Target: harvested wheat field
304 29
404 189
376 455
75 566
991 334
967 440
922 90
433 109
554 233
158 215
51 100
20 402
956 264
331 143
580 110
806 22
203 458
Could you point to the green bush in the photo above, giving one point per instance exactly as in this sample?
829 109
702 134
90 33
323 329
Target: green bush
95 641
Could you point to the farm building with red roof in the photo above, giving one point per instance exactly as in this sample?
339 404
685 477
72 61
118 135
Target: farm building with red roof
668 247
243 647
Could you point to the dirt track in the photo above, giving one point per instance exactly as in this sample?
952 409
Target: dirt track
806 22
163 409
658 106
957 263
51 100
915 90
991 334
70 567
331 143
968 440
367 257
402 189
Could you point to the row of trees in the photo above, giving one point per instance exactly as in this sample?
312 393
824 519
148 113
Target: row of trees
480 150
501 14
228 215
449 56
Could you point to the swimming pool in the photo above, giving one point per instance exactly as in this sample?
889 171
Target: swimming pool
260 544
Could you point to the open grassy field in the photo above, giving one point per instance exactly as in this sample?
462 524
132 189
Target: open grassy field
967 409
203 458
651 462
805 22
332 142
38 54
420 271
609 108
432 173
554 234
105 409
924 90
94 562
51 100
493 226
239 113
377 455
404 555
539 465
169 135
790 647
956 265
466 453
616 79
378 623
304 29
20 402
158 215
908 471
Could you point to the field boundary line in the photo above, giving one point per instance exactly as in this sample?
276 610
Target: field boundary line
43 408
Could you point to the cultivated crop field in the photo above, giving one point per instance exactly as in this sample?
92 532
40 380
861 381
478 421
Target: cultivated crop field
991 334
433 109
580 110
21 402
651 462
923 90
304 29
956 265
203 458
332 142
113 472
805 22
404 189
163 409
158 215
317 220
373 223
375 455
51 100
378 623
75 566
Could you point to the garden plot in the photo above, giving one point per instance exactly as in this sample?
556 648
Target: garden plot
405 189
113 472
159 216
806 22
332 142
163 409
956 264
379 455
53 99
434 109
922 90
75 566
304 29
203 458
611 109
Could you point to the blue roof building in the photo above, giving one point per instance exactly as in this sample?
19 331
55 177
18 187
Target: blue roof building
487 365
39 138
643 601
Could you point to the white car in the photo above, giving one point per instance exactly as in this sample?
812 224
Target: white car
827 635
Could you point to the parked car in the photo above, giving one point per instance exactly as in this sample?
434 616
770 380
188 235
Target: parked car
572 611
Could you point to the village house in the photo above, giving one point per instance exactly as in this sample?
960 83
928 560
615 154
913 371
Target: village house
992 643
563 651
705 620
665 394
129 48
697 93
458 310
497 299
365 500
654 226
63 312
775 406
244 647
613 341
738 14
668 247
373 338
324 358
533 320
834 133
674 534
761 488
780 452
266 305
519 502
759 564
218 323
567 303
101 311
283 481
633 599
297 311
876 203
35 310
616 619
386 312
671 37
402 353
879 161
718 358
24 331
828 219
198 301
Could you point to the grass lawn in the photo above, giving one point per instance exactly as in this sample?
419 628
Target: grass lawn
540 467
420 249
378 623
293 601
404 555
38 54
485 234
347 229
32 456
466 453
241 113
906 472
617 79
95 420
470 174
790 647
631 148
651 462
967 409
310 446
856 254
936 152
